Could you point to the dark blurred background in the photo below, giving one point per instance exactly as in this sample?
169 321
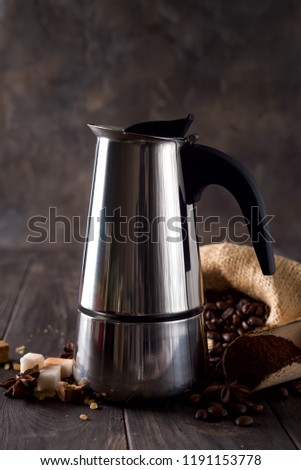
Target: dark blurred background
64 63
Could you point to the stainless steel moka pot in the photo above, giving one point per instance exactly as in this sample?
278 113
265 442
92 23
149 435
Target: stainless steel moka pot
140 326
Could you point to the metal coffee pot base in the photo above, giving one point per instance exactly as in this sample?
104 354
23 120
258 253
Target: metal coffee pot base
131 360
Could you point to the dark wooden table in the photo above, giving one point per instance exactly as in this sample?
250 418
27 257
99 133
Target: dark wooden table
38 292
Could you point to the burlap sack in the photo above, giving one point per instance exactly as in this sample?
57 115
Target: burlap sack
227 266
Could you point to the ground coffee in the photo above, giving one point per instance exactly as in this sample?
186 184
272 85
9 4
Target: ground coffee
250 359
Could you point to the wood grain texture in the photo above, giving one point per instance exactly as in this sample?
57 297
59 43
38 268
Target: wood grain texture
44 319
175 427
39 312
13 268
53 425
288 412
46 309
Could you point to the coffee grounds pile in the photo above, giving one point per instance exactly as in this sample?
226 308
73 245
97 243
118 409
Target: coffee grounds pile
250 359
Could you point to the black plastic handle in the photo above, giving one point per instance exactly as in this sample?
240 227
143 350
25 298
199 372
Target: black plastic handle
203 166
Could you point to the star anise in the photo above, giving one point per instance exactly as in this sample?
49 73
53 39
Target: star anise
68 351
228 391
23 384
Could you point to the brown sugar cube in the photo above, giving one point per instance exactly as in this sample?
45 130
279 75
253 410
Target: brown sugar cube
4 351
65 365
69 392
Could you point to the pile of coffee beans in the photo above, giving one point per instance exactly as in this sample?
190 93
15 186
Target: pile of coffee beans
227 315
222 400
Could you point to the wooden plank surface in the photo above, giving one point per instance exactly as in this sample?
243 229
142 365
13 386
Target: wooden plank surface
288 412
44 318
45 315
50 425
175 427
38 293
13 268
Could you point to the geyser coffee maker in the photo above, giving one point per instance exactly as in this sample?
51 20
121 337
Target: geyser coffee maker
140 328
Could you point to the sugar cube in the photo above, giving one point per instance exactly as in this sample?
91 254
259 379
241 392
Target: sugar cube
30 360
65 365
49 378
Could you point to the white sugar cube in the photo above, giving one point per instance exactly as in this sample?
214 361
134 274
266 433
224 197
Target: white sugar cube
30 360
65 365
49 378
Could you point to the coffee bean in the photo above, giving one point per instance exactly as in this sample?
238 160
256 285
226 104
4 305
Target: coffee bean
242 302
252 308
236 320
214 322
195 398
240 331
219 322
217 410
231 303
296 386
227 313
217 350
210 326
201 415
254 321
258 407
209 306
228 337
260 310
239 313
209 315
237 408
249 403
244 420
245 308
281 392
213 335
245 326
222 305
